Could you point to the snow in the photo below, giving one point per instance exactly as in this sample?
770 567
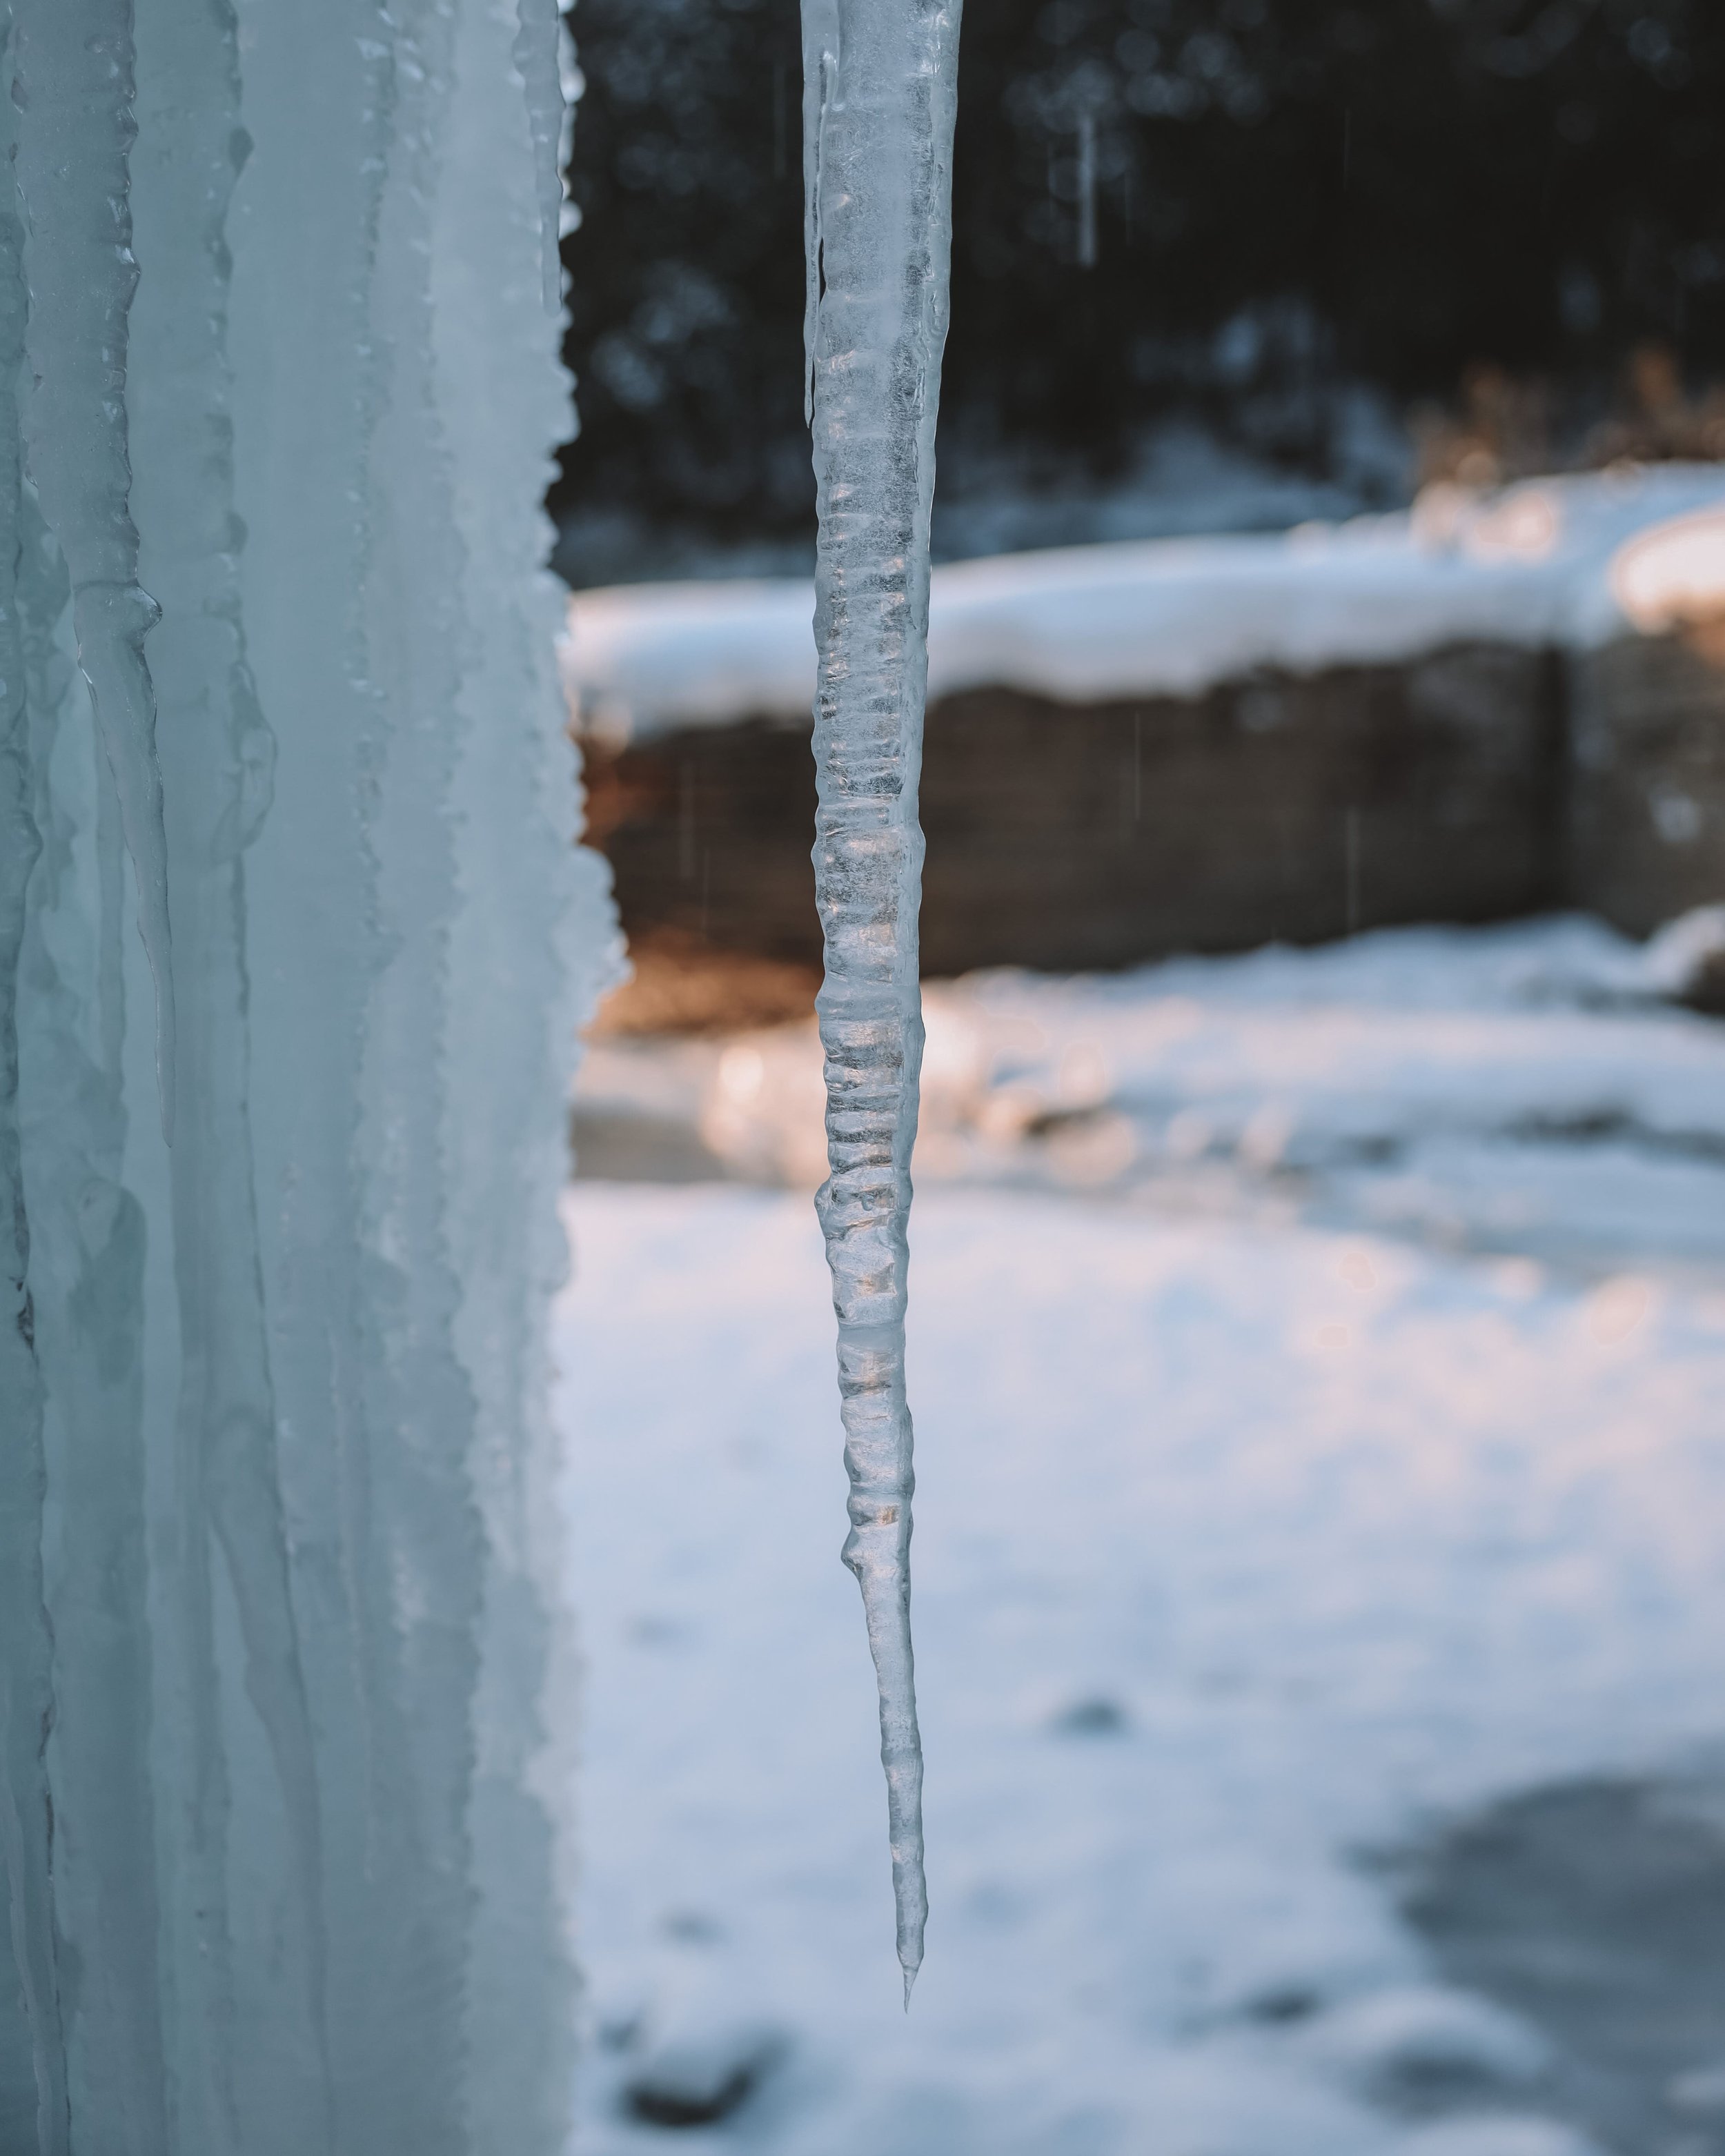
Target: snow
1260 1528
1573 561
1521 1087
1672 574
1685 951
1180 478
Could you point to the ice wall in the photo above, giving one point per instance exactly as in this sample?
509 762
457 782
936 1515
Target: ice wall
292 941
879 97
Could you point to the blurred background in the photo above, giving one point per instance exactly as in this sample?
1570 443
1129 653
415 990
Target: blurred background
1318 1303
1217 264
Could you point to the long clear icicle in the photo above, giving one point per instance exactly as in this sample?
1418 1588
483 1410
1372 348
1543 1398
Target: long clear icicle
880 89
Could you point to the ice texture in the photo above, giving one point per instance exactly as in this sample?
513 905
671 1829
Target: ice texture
71 69
282 1665
880 93
33 2090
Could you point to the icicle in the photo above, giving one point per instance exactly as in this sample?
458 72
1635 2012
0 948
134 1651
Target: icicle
426 1534
32 2093
880 83
218 757
537 60
73 87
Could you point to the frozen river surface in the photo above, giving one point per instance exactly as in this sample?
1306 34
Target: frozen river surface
1262 1551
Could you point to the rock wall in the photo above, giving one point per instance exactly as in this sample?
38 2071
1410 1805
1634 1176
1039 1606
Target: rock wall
1471 784
1647 757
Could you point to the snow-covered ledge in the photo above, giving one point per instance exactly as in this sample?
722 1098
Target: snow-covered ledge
1488 706
1571 562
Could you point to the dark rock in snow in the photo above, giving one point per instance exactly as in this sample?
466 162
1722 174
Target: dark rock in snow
698 2076
1090 1717
1287 2003
1595 1911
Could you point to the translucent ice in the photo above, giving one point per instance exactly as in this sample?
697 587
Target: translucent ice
32 2093
880 83
71 64
279 1716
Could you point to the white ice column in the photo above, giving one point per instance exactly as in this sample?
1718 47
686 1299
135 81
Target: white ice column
281 1670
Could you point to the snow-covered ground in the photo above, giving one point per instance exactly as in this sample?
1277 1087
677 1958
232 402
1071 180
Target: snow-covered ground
1317 1360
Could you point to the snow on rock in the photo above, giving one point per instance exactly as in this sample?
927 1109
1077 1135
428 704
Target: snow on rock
641 657
1673 574
1573 561
693 2057
1685 960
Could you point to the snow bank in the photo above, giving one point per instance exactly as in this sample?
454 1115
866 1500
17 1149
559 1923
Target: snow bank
1561 560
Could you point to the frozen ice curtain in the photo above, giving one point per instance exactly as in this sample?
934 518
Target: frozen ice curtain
292 941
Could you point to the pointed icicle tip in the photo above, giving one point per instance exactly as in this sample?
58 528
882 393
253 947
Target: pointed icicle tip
910 1979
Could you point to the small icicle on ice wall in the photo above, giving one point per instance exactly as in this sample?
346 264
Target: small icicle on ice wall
283 1676
880 94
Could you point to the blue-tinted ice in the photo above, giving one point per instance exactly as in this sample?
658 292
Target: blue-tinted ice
280 1661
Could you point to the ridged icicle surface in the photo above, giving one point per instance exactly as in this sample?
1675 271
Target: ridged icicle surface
293 940
880 89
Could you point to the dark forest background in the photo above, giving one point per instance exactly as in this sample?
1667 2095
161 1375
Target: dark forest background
1507 212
